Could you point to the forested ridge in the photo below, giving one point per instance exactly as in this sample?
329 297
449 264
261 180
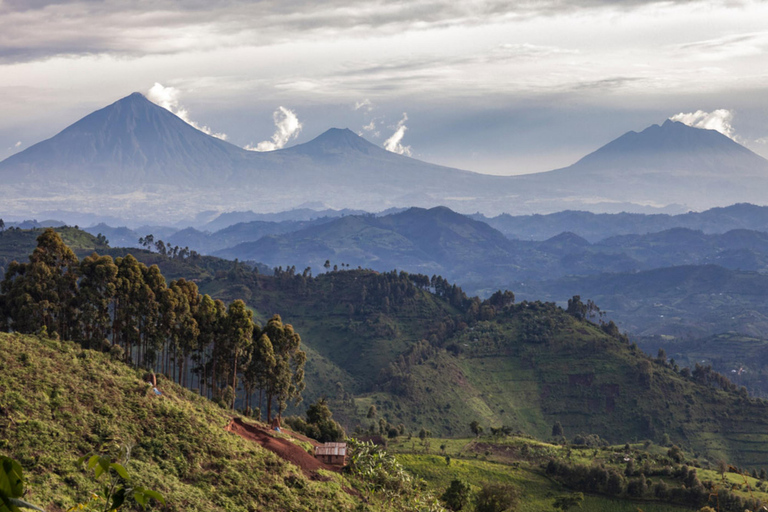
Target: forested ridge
128 308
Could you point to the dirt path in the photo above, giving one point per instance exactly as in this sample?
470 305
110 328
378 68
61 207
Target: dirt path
282 447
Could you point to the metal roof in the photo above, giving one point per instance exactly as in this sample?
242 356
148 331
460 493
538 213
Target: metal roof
331 449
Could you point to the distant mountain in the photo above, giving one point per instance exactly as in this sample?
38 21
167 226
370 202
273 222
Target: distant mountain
435 241
129 143
298 214
136 159
662 165
595 227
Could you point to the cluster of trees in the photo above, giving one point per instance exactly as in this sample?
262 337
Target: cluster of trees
172 251
492 497
124 306
638 485
319 423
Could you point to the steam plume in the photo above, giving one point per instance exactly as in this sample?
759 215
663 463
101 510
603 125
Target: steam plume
393 143
719 120
288 127
168 98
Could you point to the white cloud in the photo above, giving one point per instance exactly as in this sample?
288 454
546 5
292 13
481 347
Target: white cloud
366 104
288 127
168 98
394 143
17 145
719 120
370 126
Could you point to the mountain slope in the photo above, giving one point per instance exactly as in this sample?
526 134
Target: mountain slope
60 402
441 360
173 170
131 142
662 165
434 241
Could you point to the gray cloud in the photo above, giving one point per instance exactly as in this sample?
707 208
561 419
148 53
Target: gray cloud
37 29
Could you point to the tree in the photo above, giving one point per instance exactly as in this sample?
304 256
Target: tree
557 430
371 412
569 501
41 293
239 336
98 276
576 308
476 428
497 498
2 225
457 495
286 380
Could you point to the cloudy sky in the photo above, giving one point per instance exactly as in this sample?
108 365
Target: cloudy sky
494 86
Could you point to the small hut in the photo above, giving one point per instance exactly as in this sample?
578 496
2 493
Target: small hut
334 454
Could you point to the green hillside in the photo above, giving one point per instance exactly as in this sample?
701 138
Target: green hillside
435 361
17 244
59 402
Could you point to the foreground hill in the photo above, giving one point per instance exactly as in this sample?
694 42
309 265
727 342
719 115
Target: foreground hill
59 402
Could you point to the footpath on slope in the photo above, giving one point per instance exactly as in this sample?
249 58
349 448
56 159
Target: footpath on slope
282 447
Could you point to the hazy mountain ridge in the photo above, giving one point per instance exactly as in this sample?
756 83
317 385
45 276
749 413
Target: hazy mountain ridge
595 227
135 146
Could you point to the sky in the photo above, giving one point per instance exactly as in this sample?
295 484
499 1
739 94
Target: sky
498 87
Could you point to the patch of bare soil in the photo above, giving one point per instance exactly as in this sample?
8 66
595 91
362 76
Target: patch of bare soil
282 447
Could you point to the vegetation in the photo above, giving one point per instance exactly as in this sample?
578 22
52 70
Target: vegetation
127 308
60 402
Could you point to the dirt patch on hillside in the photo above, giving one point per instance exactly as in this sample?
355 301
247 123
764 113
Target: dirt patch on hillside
282 447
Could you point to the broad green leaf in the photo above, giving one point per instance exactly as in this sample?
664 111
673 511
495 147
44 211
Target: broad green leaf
98 472
93 461
118 498
104 463
120 470
140 498
23 504
11 479
156 495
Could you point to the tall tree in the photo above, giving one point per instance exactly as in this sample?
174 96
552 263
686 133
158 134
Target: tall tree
41 293
95 294
239 336
286 381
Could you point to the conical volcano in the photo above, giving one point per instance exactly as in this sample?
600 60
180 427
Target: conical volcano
132 141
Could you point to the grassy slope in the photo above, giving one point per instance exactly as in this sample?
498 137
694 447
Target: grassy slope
59 402
18 244
503 464
591 383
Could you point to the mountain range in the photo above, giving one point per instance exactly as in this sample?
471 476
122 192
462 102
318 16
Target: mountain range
136 159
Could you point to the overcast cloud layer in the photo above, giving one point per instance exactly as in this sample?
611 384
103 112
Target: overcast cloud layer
493 86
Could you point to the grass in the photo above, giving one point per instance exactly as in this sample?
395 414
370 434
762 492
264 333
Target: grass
59 402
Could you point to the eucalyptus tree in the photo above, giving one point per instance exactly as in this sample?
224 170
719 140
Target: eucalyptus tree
96 292
286 380
41 293
239 336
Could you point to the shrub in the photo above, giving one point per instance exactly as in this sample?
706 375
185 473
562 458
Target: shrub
457 495
497 498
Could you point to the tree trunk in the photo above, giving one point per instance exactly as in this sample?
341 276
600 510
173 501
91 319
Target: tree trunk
234 384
